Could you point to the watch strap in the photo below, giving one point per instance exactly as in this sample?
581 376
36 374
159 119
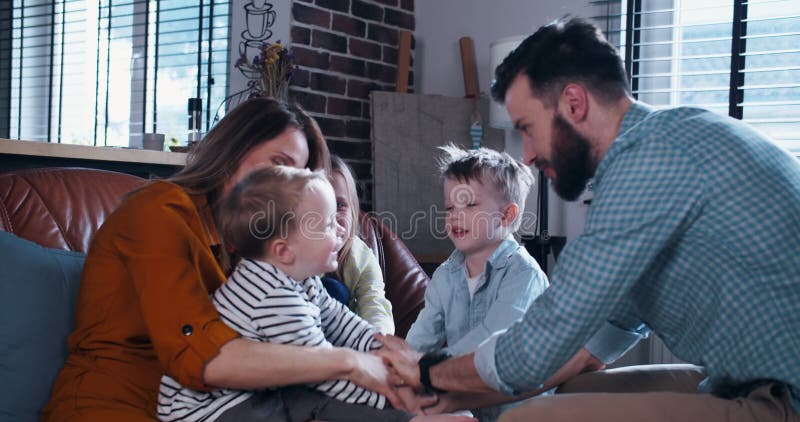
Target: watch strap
427 361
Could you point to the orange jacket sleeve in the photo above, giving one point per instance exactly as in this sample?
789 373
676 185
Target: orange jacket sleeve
165 247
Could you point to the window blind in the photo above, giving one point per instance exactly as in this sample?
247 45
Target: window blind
735 57
103 72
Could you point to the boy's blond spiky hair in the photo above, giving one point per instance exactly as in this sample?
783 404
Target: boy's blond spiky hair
507 175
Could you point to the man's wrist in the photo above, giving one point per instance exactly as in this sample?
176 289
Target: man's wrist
427 361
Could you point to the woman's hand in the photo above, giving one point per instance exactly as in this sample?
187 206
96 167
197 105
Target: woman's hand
403 359
371 371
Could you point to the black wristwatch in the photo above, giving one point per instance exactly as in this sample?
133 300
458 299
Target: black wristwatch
425 363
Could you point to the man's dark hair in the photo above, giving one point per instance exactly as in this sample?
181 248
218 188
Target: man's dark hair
565 51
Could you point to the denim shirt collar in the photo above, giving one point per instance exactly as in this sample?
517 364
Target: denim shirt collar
637 112
498 259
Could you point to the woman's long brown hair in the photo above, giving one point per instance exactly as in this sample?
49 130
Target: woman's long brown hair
215 159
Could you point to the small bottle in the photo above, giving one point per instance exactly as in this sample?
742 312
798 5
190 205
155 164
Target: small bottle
195 120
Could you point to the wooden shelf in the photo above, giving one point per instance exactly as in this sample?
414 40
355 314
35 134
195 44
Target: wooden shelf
83 152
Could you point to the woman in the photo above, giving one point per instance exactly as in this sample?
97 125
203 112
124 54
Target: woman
143 307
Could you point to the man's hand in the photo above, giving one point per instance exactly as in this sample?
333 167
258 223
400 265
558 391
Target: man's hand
413 402
403 359
443 404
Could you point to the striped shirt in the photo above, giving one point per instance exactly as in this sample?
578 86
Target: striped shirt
264 304
693 232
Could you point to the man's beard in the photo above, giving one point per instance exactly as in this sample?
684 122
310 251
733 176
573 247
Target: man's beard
571 160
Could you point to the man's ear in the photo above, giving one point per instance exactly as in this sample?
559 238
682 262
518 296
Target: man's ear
510 213
281 250
574 103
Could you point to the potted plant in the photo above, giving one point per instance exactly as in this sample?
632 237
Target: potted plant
269 71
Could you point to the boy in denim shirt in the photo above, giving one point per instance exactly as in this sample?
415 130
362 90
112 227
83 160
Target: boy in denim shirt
489 281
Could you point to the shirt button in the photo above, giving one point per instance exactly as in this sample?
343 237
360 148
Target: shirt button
187 330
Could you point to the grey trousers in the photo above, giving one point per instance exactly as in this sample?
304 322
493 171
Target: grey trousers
300 404
653 393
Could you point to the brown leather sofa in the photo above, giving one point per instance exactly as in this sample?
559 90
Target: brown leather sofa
62 208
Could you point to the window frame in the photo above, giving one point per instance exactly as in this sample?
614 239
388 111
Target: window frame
144 38
630 15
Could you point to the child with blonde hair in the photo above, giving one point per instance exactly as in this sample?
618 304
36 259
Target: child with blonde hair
358 280
489 281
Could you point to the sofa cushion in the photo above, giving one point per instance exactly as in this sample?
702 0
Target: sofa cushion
38 290
61 207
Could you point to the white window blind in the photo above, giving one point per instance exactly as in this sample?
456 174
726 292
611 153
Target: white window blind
736 57
771 71
102 72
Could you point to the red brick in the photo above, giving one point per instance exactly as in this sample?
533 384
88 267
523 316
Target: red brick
311 15
344 107
351 150
310 58
340 5
398 18
301 35
382 73
382 34
367 11
358 129
331 127
349 25
389 55
327 83
328 41
365 49
392 3
310 102
407 5
360 89
300 78
347 65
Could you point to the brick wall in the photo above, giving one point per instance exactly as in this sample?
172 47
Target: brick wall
345 49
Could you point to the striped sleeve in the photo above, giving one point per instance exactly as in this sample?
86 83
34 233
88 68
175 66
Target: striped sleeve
341 326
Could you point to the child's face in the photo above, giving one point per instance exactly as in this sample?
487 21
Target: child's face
316 238
343 213
474 216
